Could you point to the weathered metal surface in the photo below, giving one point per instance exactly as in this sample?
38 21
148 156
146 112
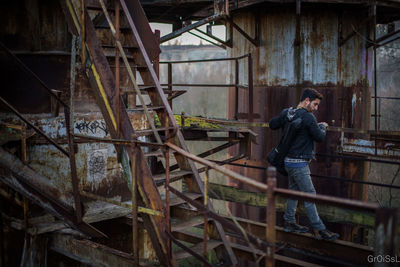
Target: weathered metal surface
97 166
282 70
367 147
43 192
89 252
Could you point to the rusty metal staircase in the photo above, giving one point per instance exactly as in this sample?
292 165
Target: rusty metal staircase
144 48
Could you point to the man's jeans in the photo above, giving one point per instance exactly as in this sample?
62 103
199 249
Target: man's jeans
300 180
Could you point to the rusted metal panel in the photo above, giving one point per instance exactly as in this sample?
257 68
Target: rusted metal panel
341 73
38 189
98 169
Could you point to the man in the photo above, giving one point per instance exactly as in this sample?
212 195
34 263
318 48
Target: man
297 160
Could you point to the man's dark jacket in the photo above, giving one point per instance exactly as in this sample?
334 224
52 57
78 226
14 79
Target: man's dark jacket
302 146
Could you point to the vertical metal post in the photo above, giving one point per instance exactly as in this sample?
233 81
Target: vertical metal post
135 235
379 112
167 204
69 118
375 83
2 240
205 231
117 93
236 111
385 235
271 217
156 63
170 82
297 53
83 33
183 121
250 82
74 175
26 203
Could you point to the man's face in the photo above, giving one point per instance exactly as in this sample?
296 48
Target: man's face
313 105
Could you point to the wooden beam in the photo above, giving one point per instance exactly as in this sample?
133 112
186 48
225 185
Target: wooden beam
329 213
91 253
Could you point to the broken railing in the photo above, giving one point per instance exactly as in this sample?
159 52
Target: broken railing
385 223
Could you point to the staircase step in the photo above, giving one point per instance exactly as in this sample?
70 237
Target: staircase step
177 200
101 27
150 131
182 225
98 7
140 108
156 153
173 176
113 46
198 248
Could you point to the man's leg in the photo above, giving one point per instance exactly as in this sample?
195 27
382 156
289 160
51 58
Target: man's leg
304 182
291 204
290 224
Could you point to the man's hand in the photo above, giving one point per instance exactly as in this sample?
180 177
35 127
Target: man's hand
324 123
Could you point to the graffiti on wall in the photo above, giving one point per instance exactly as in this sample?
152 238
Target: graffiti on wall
93 127
97 165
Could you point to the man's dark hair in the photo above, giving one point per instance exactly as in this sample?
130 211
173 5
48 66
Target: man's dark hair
312 94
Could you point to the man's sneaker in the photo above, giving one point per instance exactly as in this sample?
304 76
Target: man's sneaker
294 228
325 235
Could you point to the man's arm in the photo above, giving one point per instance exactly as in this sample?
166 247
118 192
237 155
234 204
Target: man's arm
316 130
278 121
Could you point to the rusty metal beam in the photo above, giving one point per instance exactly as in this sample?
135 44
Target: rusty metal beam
190 251
256 240
254 41
190 27
91 253
209 152
205 39
213 37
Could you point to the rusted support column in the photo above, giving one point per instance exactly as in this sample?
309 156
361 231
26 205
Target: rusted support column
250 84
170 82
297 53
167 204
375 82
251 94
26 203
117 93
2 240
83 34
69 119
205 231
72 163
271 217
156 62
385 237
135 224
236 111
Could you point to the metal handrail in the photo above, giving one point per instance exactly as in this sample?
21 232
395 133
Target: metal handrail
164 100
130 72
348 203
